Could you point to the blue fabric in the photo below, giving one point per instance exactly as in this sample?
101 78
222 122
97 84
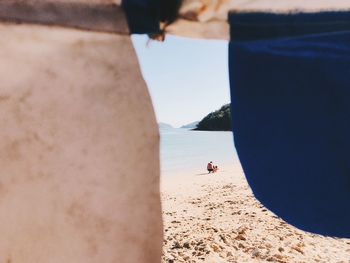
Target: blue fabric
290 92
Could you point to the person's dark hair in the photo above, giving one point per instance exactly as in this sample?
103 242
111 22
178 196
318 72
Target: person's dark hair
169 10
151 16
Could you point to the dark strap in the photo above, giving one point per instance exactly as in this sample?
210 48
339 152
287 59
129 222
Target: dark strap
95 17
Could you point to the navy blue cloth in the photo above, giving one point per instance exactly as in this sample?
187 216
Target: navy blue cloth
290 93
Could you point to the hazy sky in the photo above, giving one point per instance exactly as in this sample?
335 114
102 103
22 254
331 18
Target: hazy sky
187 78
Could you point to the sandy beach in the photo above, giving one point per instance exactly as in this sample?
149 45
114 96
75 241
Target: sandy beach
215 218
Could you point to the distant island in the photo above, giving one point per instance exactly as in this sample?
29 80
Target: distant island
219 120
191 125
163 125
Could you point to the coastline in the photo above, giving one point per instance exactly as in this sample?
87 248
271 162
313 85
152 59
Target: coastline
214 218
186 153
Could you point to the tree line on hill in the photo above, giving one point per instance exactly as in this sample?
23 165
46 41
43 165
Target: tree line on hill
219 120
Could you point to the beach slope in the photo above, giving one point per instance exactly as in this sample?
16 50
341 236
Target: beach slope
215 218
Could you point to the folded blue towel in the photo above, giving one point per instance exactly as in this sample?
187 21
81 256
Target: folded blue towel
290 92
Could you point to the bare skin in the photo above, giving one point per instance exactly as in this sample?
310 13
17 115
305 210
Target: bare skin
79 153
208 18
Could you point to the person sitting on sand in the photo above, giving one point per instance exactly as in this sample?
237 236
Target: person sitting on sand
210 167
215 168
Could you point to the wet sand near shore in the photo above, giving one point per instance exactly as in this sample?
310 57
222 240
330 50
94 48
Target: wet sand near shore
215 219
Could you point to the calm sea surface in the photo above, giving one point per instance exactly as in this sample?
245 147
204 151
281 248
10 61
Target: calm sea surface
188 152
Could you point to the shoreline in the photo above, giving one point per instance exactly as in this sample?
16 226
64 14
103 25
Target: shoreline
214 218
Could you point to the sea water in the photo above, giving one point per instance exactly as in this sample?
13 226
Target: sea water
184 151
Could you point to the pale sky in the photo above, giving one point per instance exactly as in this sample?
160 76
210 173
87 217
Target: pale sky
187 78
